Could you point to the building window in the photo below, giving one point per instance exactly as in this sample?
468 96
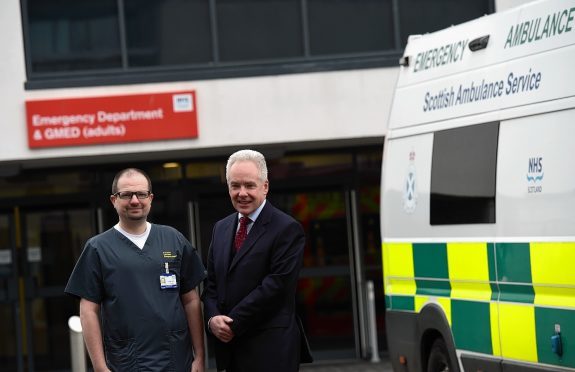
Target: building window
173 32
350 26
259 29
424 16
463 175
113 37
69 35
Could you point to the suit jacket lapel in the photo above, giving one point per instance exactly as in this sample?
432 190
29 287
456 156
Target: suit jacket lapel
229 234
257 230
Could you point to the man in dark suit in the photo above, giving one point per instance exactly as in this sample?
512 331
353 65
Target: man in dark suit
249 295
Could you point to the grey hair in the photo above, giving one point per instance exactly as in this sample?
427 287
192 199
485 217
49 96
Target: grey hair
248 155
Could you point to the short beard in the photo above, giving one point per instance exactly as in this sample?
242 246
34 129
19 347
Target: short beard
132 218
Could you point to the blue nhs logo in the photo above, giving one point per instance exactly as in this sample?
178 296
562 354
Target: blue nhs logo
183 102
535 175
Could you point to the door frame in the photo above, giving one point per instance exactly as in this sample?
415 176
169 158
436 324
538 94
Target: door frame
26 292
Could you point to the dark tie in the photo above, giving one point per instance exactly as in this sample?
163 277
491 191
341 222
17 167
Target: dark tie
242 233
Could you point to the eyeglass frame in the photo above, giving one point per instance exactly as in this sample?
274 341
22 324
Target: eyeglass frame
132 193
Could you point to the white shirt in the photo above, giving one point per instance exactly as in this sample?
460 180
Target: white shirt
140 239
252 216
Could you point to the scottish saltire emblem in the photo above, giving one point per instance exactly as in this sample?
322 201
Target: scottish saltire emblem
410 186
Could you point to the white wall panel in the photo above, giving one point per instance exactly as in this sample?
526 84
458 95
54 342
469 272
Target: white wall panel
12 76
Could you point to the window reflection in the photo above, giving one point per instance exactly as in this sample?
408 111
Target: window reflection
256 29
168 32
350 26
71 35
422 16
324 290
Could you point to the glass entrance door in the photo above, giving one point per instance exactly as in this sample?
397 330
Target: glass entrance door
325 288
46 244
11 335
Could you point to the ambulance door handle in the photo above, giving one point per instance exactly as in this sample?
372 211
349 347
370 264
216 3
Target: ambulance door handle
479 43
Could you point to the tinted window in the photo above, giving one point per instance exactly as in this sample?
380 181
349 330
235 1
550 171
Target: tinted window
424 16
259 29
350 26
206 35
171 32
463 175
71 35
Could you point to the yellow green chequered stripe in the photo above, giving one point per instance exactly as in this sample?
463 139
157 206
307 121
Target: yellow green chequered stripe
500 299
469 281
553 273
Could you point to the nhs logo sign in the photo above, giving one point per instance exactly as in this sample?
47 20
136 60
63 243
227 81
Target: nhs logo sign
183 102
535 175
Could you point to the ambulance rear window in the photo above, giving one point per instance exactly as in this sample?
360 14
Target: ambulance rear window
463 175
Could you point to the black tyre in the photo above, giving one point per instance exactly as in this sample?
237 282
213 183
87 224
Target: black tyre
439 358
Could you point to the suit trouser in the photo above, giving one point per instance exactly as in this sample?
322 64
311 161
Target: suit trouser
271 350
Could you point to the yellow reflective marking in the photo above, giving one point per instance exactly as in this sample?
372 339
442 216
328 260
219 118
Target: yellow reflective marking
443 302
494 316
446 305
554 296
470 291
385 266
469 271
517 329
552 273
401 287
398 269
400 259
420 301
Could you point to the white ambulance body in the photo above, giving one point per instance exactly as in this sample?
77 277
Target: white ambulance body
478 196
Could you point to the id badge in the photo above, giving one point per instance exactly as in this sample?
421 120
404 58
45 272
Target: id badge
168 280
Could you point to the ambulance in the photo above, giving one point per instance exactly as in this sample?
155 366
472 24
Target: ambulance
478 196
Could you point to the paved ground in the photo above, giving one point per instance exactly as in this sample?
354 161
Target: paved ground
344 366
347 366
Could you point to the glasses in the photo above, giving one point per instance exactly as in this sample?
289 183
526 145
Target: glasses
128 195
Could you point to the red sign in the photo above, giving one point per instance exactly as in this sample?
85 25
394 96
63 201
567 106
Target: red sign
114 119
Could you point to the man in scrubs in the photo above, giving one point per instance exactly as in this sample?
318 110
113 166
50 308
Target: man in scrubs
139 307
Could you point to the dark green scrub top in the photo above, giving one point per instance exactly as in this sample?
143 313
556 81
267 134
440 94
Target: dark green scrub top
144 326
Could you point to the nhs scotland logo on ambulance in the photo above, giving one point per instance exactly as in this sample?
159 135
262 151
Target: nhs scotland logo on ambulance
183 102
535 175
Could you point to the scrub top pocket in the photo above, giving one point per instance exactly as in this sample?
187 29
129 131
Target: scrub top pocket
180 345
121 354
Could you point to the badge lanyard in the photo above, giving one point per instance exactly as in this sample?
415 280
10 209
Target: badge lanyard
168 280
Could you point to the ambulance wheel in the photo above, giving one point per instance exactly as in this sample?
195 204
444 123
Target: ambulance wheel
439 357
